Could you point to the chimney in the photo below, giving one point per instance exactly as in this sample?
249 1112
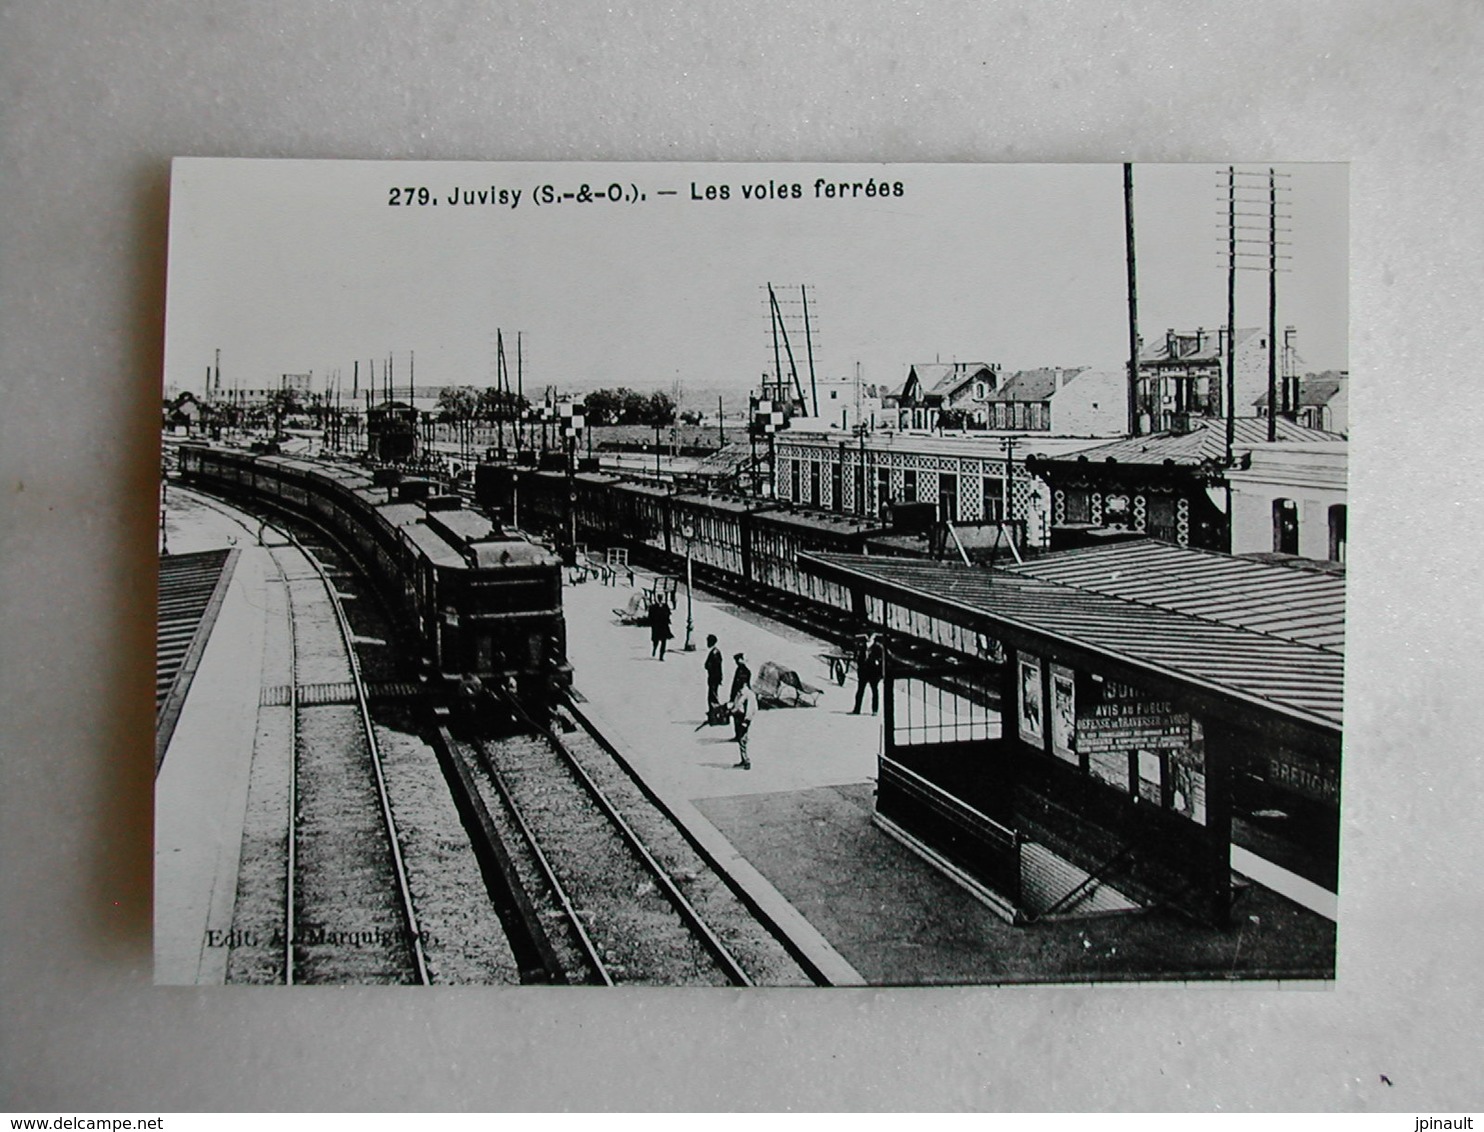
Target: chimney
1200 338
1170 342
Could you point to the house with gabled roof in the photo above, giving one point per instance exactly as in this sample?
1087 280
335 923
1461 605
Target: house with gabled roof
933 387
1080 401
1318 400
1182 376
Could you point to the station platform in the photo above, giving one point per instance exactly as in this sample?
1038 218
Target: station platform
796 829
201 801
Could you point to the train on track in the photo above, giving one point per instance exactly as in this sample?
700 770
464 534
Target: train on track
477 600
733 542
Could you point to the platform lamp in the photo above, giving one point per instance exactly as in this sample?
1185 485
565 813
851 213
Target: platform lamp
688 532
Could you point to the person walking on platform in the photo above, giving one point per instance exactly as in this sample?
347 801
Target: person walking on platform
870 661
659 627
714 666
744 707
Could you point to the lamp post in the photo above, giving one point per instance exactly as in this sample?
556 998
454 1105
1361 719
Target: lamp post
689 533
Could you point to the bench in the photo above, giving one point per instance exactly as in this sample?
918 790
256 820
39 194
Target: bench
618 560
636 612
839 665
773 678
662 589
596 567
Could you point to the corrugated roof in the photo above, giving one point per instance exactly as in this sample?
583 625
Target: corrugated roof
1205 441
1277 672
1298 605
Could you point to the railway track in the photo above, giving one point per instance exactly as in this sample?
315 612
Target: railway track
348 910
601 887
372 877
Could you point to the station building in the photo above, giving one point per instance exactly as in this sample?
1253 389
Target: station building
1155 718
974 478
1171 486
1291 499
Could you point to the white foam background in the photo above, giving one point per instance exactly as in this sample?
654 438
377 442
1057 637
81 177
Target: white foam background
96 96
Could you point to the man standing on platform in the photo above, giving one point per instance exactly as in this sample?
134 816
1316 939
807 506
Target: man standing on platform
659 627
744 707
713 678
742 675
870 659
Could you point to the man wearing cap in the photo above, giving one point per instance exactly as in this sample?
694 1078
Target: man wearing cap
744 707
741 678
742 675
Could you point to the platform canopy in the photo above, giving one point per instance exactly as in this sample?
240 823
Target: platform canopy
1251 634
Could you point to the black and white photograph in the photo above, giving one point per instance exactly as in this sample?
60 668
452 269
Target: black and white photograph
802 575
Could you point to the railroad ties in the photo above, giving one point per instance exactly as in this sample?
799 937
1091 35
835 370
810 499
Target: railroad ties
598 885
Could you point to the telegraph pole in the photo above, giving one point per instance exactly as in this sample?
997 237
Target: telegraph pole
1231 309
809 346
1272 305
1271 217
1133 300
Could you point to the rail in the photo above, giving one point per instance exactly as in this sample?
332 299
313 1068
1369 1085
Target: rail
399 865
724 959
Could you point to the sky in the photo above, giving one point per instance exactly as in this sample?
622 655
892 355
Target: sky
298 266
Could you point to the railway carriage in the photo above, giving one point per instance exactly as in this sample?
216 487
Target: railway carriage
541 499
780 535
643 512
718 527
597 521
734 540
480 601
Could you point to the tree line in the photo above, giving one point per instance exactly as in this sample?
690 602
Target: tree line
600 406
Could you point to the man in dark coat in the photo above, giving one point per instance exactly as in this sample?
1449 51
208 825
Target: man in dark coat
659 627
870 660
714 666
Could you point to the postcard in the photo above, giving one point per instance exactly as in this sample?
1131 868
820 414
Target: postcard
751 575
